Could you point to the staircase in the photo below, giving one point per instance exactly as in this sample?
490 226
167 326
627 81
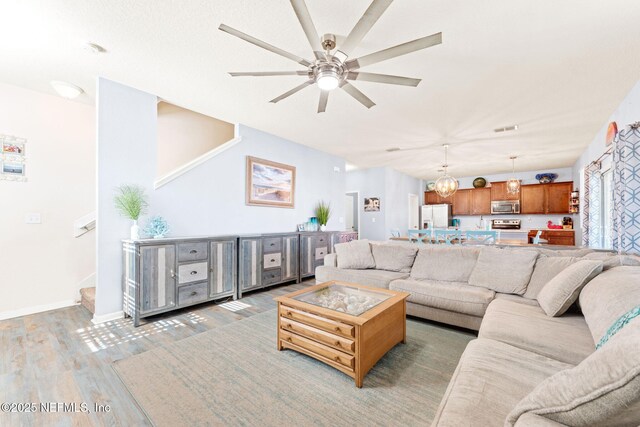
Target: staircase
88 298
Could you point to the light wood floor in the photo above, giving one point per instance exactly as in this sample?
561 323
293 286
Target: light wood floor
60 356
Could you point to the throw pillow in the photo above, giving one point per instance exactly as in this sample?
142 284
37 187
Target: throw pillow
612 260
504 270
546 268
394 257
563 290
444 263
604 389
618 325
355 255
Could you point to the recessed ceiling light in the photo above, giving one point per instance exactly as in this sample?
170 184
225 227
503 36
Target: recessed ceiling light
392 149
506 129
66 90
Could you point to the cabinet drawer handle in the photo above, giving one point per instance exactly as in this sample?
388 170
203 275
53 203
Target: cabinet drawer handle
193 272
272 244
173 274
194 293
288 313
193 251
273 260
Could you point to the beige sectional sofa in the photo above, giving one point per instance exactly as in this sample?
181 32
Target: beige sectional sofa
534 363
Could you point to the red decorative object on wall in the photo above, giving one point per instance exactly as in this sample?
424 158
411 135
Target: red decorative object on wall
612 131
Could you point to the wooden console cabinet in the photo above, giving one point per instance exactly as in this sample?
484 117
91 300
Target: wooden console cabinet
161 275
555 237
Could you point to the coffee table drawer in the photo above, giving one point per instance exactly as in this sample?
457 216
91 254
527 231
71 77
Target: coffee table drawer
336 356
335 341
317 321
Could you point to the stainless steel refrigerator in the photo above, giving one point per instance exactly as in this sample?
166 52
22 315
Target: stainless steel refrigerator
435 216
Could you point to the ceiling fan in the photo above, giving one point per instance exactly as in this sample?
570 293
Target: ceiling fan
332 70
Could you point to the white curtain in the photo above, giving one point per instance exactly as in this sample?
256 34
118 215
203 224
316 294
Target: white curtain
626 190
592 207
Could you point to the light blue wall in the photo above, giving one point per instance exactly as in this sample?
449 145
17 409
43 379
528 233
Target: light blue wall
369 183
627 112
207 200
393 189
126 153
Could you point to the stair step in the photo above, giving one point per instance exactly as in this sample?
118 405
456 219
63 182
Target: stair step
88 298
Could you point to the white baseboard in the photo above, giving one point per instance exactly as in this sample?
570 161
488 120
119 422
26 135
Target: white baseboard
36 309
97 319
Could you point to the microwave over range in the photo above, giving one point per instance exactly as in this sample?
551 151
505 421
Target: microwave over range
505 207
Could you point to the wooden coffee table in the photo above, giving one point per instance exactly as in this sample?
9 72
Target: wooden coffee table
347 326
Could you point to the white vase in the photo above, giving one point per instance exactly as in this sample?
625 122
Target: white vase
323 228
135 231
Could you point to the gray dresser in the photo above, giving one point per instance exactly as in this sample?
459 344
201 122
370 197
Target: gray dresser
161 275
267 259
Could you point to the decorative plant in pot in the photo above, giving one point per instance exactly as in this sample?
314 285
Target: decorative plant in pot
323 212
130 201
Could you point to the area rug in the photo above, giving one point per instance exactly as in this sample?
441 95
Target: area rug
233 375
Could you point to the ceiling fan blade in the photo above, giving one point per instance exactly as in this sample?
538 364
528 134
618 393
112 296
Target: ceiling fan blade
292 91
353 91
383 78
392 52
300 8
267 73
370 17
264 45
322 105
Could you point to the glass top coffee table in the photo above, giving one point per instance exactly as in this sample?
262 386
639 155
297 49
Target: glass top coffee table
347 326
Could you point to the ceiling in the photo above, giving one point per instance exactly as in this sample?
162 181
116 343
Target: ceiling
558 69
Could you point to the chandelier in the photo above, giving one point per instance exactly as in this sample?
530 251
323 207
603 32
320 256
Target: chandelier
446 185
513 185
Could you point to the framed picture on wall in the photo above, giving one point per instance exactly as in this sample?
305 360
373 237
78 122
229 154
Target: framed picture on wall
372 204
270 183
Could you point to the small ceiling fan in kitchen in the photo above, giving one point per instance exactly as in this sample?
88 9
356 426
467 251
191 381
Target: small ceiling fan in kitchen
330 68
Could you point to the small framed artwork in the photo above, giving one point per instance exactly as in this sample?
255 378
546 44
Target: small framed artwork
372 204
301 227
12 147
13 169
270 183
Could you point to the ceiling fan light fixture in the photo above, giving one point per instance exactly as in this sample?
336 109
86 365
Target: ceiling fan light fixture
328 79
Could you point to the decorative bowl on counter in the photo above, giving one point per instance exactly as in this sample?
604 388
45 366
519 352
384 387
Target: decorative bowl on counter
479 182
546 178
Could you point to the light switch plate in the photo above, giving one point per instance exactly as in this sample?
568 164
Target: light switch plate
32 218
373 219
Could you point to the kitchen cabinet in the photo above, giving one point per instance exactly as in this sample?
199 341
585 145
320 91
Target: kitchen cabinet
555 237
499 192
433 198
461 202
546 198
480 201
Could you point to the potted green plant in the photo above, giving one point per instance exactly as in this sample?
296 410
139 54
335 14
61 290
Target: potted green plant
323 212
130 201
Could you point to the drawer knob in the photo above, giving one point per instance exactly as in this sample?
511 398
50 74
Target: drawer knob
288 313
193 272
337 358
337 343
193 251
273 260
273 244
337 329
194 293
289 339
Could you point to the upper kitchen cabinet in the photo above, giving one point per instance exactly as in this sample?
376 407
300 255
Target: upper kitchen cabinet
461 202
433 198
545 198
499 192
481 201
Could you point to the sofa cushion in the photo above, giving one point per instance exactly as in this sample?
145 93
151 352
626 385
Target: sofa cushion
604 389
453 296
446 263
609 296
394 257
375 278
546 268
503 270
355 255
563 290
517 298
565 338
612 260
491 378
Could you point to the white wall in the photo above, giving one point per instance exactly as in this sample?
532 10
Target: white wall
207 200
393 188
184 135
42 265
628 112
527 177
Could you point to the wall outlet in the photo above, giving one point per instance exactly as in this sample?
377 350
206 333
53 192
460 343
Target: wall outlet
32 218
373 219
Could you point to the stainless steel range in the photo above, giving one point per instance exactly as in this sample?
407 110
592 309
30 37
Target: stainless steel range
505 224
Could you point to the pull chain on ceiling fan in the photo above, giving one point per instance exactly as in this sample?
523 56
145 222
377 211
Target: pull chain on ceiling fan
332 70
